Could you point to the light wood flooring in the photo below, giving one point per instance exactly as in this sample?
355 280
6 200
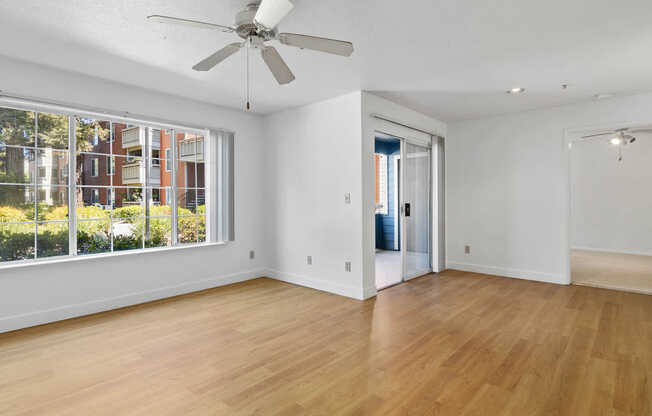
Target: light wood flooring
455 344
612 270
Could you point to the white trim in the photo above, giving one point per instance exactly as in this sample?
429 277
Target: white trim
613 251
397 202
383 173
508 272
321 284
36 104
598 285
82 257
14 322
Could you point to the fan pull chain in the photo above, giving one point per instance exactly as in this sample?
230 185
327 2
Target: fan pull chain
248 87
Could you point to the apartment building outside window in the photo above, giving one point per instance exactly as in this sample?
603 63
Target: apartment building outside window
101 186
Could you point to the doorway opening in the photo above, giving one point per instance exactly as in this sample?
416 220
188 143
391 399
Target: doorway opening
610 244
402 210
387 161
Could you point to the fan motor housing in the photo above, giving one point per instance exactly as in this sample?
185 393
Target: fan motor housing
245 26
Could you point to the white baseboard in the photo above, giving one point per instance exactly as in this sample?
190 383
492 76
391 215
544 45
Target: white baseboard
14 322
613 287
319 284
508 272
608 250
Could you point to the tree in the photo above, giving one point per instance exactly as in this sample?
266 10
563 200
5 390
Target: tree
21 128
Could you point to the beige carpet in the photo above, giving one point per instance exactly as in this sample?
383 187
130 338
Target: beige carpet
628 272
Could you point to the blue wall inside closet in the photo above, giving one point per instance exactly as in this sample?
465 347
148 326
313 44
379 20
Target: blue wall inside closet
385 223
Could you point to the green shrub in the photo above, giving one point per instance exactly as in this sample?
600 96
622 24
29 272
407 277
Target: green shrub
91 211
58 213
129 212
16 242
12 214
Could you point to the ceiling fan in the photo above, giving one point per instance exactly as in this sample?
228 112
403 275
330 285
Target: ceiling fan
257 24
619 137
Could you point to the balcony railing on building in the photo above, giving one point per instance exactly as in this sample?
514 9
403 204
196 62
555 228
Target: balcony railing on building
136 136
191 150
134 174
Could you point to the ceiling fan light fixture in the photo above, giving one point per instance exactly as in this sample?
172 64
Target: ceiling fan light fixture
270 13
616 141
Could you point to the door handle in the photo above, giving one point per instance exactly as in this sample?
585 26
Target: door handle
407 209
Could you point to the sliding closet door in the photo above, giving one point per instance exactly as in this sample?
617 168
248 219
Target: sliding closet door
416 210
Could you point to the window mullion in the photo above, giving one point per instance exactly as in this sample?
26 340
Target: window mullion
173 146
72 189
35 183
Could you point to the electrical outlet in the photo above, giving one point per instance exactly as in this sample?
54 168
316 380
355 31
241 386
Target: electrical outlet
252 254
467 249
347 198
309 260
347 266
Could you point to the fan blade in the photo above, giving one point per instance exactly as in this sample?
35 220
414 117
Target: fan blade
336 47
187 22
277 65
217 57
640 131
598 134
271 12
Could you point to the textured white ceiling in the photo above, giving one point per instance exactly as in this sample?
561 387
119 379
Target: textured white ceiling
450 59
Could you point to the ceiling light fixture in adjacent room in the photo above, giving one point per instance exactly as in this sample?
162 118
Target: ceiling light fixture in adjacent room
516 90
616 141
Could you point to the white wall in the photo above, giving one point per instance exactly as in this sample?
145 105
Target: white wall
315 154
35 294
507 187
612 201
312 159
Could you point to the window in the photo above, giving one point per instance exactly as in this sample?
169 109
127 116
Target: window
156 154
381 183
133 155
41 179
110 165
95 167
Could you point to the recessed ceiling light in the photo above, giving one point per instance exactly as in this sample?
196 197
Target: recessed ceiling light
516 90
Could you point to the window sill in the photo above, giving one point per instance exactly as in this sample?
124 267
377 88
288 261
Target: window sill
70 259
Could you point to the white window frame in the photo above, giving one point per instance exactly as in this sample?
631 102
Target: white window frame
382 208
218 184
95 167
95 196
110 165
168 160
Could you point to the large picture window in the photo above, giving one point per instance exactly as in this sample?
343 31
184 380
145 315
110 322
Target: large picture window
116 195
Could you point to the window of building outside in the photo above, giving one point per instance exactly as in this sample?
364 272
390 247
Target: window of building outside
128 203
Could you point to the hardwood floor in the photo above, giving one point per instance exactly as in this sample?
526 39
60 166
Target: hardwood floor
455 344
629 272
